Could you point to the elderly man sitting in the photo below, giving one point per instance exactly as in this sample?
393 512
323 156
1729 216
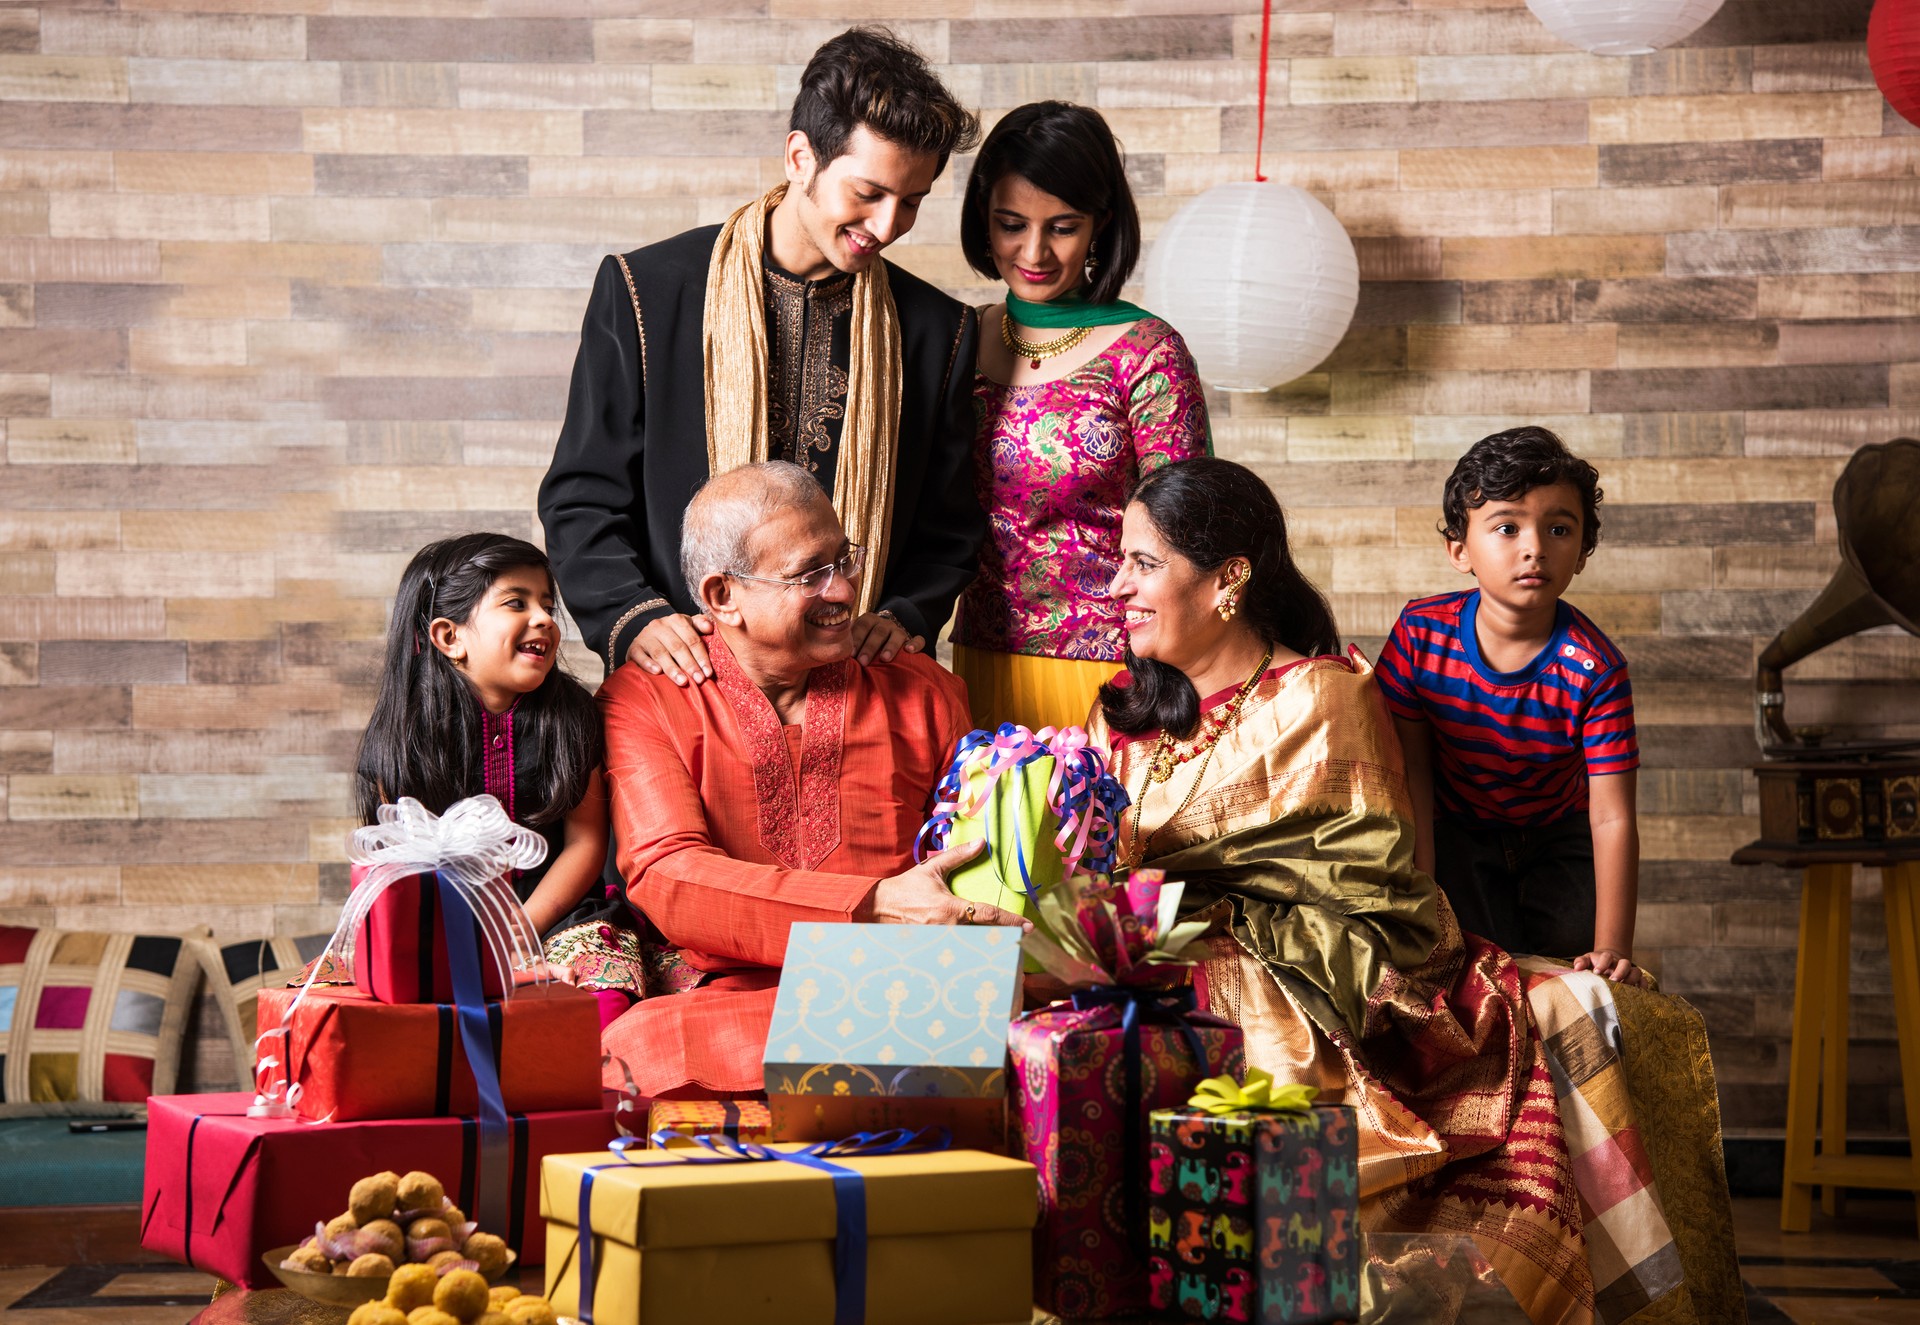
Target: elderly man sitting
790 788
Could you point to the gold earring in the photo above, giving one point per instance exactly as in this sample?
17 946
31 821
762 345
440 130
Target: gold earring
1232 604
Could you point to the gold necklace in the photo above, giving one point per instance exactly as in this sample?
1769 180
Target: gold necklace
1168 754
1035 351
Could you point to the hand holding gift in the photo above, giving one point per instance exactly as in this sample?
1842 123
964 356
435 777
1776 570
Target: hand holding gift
1042 801
920 896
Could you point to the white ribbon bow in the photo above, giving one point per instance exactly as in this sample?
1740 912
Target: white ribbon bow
473 846
276 1096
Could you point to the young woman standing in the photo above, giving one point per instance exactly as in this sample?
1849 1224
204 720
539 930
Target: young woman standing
1078 396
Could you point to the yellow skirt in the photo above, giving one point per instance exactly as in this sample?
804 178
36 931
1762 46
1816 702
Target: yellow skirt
1034 692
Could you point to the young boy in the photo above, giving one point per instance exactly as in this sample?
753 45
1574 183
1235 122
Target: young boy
1517 718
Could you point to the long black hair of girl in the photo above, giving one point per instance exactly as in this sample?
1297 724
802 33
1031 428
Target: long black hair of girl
1210 510
424 737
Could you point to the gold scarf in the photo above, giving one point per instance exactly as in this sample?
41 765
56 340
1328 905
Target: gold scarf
735 355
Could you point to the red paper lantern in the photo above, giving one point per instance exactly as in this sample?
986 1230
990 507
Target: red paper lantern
1893 50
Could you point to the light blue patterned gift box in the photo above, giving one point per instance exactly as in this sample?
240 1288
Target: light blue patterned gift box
917 1010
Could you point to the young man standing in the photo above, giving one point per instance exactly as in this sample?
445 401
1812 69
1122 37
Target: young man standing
781 334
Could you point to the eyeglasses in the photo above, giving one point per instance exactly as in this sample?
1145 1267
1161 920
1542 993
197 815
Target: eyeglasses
815 582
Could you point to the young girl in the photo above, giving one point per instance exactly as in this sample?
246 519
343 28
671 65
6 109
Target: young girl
471 701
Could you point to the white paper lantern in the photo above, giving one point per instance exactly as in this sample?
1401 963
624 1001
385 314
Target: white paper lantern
1622 27
1260 280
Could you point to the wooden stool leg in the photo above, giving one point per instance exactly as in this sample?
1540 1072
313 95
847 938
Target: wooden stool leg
1812 986
1901 885
1833 1057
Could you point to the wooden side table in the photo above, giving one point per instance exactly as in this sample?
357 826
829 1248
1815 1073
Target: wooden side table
1817 1066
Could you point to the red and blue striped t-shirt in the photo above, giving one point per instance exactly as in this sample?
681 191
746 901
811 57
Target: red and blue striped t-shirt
1510 747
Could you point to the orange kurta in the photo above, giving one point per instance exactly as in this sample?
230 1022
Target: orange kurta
731 827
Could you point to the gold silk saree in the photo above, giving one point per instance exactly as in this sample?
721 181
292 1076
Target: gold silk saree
1345 969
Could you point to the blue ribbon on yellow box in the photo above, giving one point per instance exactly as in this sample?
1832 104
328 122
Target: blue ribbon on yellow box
849 1196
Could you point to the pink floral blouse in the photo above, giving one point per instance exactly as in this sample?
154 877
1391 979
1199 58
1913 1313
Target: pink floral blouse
1053 464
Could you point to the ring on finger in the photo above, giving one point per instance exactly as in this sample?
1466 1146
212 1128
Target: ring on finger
966 916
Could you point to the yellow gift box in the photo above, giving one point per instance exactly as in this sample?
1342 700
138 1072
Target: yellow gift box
949 1238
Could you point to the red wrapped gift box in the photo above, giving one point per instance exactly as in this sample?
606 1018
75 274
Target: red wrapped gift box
400 952
356 1058
221 1188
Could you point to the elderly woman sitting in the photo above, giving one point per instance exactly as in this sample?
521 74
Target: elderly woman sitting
789 788
1264 771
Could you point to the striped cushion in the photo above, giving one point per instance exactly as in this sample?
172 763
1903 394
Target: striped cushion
237 972
90 1024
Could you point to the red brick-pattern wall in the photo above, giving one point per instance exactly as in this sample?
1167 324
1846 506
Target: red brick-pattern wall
288 287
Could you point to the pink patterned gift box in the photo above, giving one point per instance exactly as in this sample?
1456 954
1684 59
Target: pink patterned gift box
1070 1100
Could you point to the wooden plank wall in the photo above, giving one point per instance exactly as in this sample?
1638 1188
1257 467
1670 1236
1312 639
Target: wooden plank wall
288 287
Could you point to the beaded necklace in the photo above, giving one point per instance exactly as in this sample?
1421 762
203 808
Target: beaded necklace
1169 753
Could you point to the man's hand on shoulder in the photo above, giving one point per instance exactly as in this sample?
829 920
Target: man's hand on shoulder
920 896
880 635
674 644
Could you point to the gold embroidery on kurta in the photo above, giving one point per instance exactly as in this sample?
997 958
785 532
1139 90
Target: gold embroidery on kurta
806 389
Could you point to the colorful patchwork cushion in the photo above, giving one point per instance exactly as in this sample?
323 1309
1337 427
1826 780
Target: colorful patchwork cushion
237 972
90 1024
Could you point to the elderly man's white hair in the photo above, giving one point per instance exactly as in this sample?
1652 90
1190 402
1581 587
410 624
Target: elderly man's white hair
723 514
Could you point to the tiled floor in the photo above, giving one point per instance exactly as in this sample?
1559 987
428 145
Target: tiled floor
1863 1269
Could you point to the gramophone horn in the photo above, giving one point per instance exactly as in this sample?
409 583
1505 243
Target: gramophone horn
1877 504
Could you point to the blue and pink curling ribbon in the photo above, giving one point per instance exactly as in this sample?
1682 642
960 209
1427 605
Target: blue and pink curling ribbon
1085 797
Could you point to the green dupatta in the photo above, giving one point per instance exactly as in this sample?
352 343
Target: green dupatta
1070 310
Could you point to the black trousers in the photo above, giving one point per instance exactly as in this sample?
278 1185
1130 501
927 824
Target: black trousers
1530 890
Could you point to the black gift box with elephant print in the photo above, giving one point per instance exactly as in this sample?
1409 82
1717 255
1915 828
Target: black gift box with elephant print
1253 1215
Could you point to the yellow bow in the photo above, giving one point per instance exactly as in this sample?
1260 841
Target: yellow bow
1222 1094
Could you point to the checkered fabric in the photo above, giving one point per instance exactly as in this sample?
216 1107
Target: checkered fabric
1629 1245
90 1024
237 972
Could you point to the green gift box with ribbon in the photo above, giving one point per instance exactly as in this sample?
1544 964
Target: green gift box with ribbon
1013 816
1043 801
820 1235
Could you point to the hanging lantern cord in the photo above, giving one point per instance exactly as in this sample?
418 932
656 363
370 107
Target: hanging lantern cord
1260 124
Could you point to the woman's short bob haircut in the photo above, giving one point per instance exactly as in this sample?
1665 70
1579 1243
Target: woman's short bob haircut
1068 151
